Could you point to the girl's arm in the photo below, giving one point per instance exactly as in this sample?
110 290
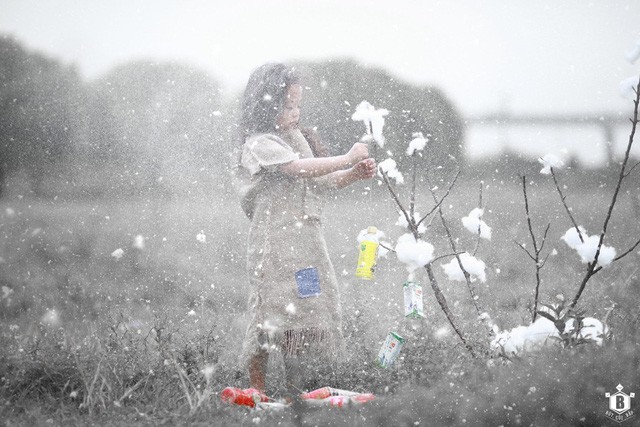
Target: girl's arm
320 166
365 169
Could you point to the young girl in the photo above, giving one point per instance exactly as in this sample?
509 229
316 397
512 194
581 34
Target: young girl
294 304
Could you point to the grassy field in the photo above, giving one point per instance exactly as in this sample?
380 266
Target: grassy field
87 337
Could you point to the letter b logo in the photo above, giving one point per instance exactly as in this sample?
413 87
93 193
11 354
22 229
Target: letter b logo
619 402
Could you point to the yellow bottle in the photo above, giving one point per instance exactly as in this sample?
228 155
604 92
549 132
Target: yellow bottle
368 254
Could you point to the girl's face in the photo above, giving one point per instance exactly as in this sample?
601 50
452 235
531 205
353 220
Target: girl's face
290 115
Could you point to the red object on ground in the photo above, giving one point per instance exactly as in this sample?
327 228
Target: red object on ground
328 396
321 393
247 397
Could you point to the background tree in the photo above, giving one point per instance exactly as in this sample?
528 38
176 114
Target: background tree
38 101
156 125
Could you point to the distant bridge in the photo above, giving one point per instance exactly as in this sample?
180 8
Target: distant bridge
606 121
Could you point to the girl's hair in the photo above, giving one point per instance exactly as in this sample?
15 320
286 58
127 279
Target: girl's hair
264 98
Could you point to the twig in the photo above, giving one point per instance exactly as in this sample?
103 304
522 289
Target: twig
445 308
446 256
442 301
524 249
397 200
631 169
475 250
562 198
414 168
537 250
452 243
627 252
386 247
592 266
441 200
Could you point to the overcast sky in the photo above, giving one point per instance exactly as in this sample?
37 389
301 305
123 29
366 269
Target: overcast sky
524 56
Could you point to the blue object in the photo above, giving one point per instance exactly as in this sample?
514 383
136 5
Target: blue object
308 281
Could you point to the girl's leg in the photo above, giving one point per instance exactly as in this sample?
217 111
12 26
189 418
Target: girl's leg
258 369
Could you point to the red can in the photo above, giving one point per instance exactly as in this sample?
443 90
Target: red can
247 397
320 393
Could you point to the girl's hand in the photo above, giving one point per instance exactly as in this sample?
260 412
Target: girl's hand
358 152
364 169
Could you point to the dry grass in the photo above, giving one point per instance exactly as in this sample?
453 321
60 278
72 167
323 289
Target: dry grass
152 337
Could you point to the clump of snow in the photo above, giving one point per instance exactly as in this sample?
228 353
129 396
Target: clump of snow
201 237
373 120
402 222
592 329
389 167
628 86
118 253
544 332
587 251
413 253
473 223
138 242
550 161
572 237
525 338
417 143
588 247
191 313
471 264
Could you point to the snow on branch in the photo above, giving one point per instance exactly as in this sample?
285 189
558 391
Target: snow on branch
373 120
471 264
549 161
476 225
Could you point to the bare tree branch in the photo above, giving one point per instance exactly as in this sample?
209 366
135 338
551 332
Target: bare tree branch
386 247
537 250
544 236
441 200
442 301
563 197
414 170
452 244
631 169
525 249
445 308
592 266
396 199
627 252
475 250
445 256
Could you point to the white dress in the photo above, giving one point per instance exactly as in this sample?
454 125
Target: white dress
293 286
